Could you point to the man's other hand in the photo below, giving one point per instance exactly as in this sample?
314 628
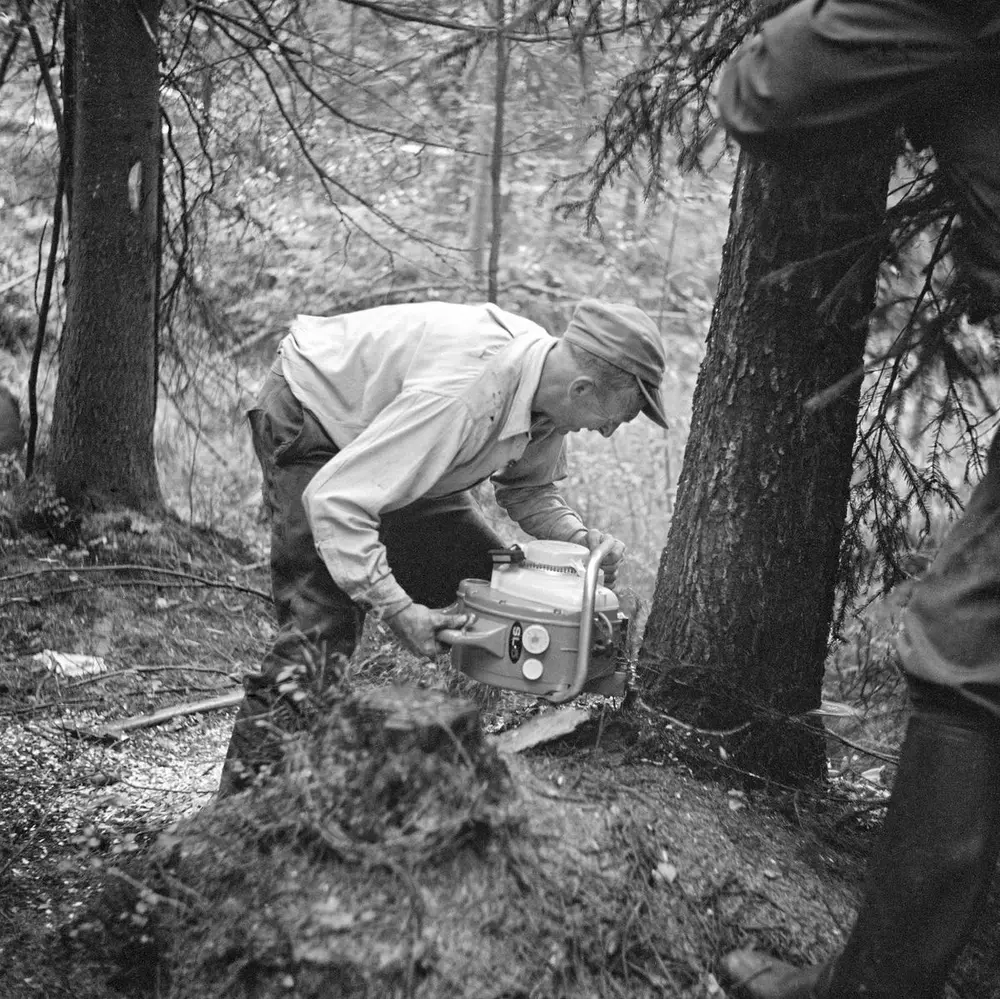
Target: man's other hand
416 627
611 562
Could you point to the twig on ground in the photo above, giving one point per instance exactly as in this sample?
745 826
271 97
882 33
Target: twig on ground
190 791
123 583
175 573
878 754
164 715
61 702
640 703
57 739
867 750
148 669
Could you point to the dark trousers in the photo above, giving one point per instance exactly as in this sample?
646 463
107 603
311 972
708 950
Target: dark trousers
431 546
951 630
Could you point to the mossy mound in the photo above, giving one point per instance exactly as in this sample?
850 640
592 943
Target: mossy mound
382 863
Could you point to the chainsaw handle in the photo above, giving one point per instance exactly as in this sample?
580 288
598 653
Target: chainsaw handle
493 639
457 636
590 578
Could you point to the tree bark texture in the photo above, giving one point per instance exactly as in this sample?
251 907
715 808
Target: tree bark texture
741 614
105 401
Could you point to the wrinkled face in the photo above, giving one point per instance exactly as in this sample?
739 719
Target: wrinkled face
592 408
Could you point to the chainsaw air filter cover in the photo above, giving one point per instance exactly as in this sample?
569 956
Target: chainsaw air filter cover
528 622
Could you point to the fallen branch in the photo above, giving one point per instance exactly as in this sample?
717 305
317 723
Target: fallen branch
90 587
176 573
131 670
878 754
124 584
114 730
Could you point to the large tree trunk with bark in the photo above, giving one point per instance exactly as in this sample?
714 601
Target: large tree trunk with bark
745 592
102 426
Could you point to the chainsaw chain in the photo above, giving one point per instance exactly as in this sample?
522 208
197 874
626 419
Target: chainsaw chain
551 568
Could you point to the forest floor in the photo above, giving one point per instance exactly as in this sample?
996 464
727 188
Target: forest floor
606 864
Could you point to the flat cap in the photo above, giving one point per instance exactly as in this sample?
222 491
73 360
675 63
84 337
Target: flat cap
626 337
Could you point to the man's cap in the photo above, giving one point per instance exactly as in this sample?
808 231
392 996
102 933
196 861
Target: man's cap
626 337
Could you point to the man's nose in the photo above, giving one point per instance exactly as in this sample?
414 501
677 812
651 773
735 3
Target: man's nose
608 429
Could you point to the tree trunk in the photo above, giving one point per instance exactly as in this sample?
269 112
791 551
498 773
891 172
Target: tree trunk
496 157
478 224
745 591
102 424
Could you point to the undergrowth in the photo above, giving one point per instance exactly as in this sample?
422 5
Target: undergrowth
366 866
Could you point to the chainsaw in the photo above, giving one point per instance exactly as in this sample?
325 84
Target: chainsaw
543 624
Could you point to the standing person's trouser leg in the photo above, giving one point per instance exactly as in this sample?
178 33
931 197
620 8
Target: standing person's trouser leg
431 545
929 878
812 73
962 125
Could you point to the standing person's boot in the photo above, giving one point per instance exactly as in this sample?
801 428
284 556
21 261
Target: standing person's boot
252 743
757 976
928 880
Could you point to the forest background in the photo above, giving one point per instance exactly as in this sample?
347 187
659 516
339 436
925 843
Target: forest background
333 156
265 237
421 158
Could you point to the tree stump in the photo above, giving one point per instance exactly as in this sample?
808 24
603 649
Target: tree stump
404 718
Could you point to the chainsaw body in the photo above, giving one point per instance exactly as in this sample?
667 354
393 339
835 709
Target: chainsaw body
542 624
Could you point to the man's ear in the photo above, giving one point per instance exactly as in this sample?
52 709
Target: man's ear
581 385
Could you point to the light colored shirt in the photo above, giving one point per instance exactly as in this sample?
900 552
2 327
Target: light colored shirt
423 401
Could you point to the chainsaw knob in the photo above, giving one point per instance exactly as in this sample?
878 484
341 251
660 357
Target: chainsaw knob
532 669
535 639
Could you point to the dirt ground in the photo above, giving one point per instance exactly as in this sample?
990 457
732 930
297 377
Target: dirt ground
607 864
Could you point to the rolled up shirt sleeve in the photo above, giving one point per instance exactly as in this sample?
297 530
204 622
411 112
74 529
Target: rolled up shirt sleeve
395 461
526 491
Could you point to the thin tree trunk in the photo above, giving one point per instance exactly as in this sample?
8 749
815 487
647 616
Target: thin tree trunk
102 427
743 605
496 157
478 227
